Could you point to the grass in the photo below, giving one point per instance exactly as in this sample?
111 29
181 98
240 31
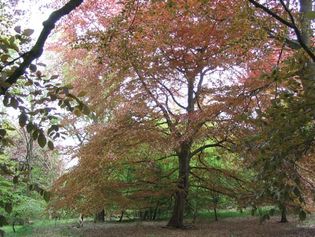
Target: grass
48 228
231 223
225 214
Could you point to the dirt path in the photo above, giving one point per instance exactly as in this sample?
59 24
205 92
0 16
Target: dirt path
230 227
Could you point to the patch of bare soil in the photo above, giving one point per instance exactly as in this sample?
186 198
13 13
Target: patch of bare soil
230 227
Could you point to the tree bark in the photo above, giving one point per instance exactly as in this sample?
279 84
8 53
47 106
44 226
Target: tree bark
100 216
308 72
177 218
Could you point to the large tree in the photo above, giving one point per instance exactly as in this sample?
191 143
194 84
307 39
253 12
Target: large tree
166 69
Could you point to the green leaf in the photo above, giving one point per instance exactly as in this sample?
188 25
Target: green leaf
310 15
82 93
302 215
46 196
8 207
35 134
86 110
51 145
22 119
4 58
41 140
14 103
3 220
296 191
77 112
15 179
33 68
29 127
3 132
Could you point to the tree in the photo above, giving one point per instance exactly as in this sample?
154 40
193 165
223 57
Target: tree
157 73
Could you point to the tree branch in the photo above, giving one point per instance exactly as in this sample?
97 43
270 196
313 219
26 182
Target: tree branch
202 148
271 13
38 48
291 25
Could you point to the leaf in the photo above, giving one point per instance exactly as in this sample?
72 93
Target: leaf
310 15
82 93
4 58
29 127
17 29
33 68
41 140
77 112
54 77
272 211
302 215
51 145
3 220
28 32
39 74
46 196
16 179
35 134
3 132
6 100
14 103
22 119
5 85
86 110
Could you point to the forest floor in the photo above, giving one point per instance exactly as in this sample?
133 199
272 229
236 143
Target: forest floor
228 227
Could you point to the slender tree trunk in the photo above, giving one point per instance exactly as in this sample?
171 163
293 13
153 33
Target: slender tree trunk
100 216
284 215
177 218
155 210
13 226
121 216
215 213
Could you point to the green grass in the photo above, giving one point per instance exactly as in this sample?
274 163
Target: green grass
225 214
49 227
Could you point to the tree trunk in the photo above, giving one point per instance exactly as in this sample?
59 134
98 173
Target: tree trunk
283 215
13 226
308 72
215 213
155 210
177 218
100 216
121 216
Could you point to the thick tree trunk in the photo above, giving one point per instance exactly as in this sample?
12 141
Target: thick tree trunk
177 218
308 72
100 216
